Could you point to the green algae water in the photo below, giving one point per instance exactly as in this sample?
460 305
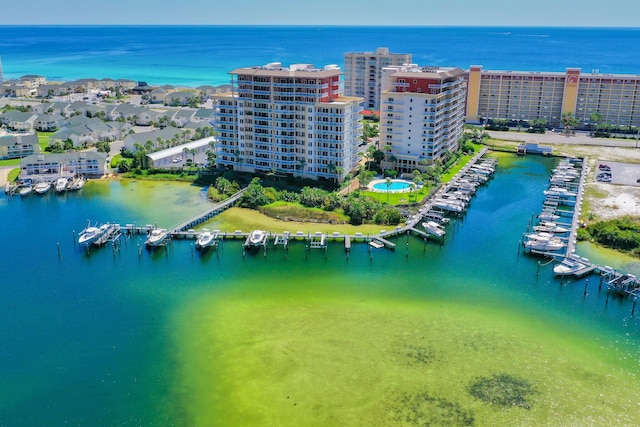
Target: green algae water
471 332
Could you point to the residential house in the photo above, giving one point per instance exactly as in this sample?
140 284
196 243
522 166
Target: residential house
181 98
18 121
156 139
88 163
158 95
48 122
17 145
33 81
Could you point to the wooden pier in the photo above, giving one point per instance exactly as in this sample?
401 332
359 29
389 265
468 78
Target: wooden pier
208 213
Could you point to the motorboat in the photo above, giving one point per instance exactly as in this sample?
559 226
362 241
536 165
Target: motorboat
256 239
157 237
92 233
447 205
434 229
42 187
550 227
560 192
548 216
543 242
436 217
573 266
76 183
60 184
205 239
25 190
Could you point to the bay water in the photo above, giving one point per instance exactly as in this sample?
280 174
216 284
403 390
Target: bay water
175 337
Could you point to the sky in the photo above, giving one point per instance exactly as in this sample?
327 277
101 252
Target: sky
585 13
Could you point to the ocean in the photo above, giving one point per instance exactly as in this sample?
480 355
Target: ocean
203 55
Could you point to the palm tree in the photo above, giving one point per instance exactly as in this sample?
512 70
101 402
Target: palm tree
388 182
300 167
569 122
369 155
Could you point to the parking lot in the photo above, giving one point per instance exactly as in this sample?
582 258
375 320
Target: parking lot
621 173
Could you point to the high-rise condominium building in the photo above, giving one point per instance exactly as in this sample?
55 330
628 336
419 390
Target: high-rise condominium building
293 120
421 115
363 73
534 95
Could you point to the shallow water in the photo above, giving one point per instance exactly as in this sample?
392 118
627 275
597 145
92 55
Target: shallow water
172 336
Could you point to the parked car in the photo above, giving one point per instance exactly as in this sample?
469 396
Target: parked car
603 177
604 167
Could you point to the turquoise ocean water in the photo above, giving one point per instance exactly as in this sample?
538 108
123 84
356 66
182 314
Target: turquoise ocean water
88 339
196 55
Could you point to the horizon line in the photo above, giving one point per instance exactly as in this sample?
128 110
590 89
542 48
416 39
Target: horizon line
331 25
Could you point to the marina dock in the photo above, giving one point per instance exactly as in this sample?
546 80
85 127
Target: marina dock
455 195
564 200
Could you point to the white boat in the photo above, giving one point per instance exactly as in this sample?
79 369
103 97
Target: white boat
543 242
25 190
42 187
434 229
157 237
548 216
60 184
573 266
92 233
76 183
256 239
560 192
447 205
205 239
550 227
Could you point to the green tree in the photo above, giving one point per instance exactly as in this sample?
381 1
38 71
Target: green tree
255 195
569 122
595 119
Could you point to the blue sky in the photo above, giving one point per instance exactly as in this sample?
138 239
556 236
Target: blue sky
610 13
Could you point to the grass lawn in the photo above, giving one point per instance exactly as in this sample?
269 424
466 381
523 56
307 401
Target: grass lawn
10 162
13 174
43 140
247 219
398 198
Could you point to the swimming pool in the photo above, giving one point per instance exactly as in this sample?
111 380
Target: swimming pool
395 186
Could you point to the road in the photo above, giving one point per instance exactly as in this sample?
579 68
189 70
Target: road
580 138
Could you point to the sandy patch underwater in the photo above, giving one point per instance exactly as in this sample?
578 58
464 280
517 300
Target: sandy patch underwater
316 358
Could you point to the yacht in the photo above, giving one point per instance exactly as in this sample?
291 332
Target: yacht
548 216
205 239
25 190
546 242
256 239
157 237
42 187
447 205
60 184
434 229
573 266
76 183
560 192
550 227
92 233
